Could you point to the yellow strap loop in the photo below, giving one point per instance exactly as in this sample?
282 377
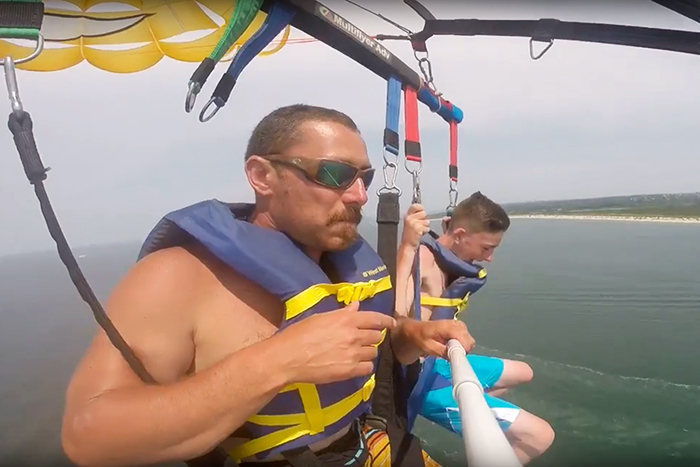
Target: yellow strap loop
302 425
345 291
460 304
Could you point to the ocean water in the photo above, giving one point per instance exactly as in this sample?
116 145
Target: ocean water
606 313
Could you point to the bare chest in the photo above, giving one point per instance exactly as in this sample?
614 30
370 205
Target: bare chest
433 285
230 320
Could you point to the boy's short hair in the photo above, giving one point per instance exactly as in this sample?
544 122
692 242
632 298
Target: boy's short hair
479 214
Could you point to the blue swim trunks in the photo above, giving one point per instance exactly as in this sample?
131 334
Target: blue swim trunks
441 408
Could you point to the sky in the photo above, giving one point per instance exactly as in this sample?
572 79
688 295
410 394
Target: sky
586 120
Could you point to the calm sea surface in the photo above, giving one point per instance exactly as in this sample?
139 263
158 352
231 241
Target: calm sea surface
606 313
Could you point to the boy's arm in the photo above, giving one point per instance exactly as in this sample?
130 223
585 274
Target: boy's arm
415 225
404 280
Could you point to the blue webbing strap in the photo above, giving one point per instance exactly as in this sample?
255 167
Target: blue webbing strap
280 16
426 381
416 286
425 376
393 112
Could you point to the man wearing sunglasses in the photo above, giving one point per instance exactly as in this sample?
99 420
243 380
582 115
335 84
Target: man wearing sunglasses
260 322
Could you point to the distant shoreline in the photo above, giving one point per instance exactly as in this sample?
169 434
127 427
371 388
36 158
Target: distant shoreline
627 218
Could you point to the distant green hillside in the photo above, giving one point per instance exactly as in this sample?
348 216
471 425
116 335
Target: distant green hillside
652 205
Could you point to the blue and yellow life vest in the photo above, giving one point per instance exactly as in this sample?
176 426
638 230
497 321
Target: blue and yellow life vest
464 279
302 413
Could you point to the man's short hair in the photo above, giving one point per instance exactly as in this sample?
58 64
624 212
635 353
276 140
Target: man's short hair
279 129
479 214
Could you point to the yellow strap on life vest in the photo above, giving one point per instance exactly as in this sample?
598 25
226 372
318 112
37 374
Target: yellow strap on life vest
460 304
345 291
427 300
315 418
313 421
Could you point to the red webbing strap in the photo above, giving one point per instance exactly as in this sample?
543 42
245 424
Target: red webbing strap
453 151
412 142
418 45
453 146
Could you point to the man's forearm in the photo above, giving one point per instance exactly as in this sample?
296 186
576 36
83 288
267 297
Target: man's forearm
180 421
403 342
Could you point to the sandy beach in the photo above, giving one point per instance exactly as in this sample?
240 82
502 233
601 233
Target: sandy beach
675 220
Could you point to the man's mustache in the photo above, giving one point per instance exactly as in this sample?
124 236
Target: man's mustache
352 214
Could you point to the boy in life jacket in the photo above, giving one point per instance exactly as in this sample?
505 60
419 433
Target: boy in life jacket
471 235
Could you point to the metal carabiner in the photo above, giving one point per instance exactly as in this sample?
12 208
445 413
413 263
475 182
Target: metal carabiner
12 88
415 178
193 88
390 171
453 198
11 75
417 197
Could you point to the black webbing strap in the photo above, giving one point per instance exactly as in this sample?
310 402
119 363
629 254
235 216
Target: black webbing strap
390 398
302 457
21 18
388 217
21 126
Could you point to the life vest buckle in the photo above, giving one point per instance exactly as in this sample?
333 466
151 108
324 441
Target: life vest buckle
356 292
462 305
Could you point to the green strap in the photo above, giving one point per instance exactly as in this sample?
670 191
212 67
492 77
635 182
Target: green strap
243 15
21 19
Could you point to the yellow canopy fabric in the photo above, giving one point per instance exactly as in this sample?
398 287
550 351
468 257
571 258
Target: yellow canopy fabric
128 36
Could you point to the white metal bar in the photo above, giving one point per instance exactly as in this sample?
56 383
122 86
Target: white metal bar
484 441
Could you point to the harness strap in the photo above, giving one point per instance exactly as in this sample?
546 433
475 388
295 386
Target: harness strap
413 154
414 369
417 302
21 19
453 151
412 147
389 401
452 170
302 457
279 17
453 147
242 16
388 217
393 110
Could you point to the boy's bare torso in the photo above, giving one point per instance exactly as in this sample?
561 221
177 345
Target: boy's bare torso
432 279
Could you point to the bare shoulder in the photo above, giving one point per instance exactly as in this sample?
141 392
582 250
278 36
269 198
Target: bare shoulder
158 295
427 259
152 309
431 275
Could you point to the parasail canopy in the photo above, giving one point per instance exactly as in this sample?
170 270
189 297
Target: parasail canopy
128 36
